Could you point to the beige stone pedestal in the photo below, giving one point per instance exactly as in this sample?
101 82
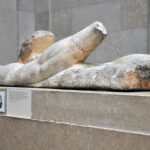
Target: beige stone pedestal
79 120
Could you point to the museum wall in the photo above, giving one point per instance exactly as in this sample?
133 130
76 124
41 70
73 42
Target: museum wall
8 31
127 22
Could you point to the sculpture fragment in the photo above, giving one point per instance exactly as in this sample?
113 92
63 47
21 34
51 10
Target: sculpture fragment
61 65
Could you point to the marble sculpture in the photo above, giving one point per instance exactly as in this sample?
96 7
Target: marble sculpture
44 63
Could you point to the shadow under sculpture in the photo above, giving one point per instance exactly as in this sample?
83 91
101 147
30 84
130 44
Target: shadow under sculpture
62 65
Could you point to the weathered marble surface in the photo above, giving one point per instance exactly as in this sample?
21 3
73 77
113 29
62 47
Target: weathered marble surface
62 64
33 47
127 73
61 55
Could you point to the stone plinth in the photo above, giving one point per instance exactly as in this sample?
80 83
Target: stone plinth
75 119
106 109
22 134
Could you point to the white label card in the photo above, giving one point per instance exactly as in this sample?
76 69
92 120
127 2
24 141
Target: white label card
19 102
2 101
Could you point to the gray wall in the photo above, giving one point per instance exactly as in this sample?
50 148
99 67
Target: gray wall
8 31
127 22
149 29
